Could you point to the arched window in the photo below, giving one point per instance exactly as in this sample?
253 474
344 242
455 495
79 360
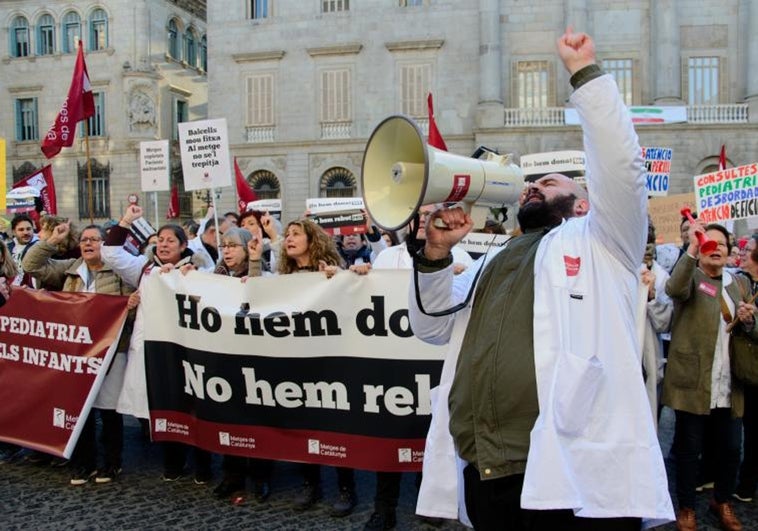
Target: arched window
204 54
45 35
190 50
71 30
173 40
338 182
98 30
265 184
20 37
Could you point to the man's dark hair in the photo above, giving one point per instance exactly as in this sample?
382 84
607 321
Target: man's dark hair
191 226
234 215
685 218
18 218
546 214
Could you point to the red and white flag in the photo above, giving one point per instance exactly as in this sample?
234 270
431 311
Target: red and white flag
245 194
79 105
43 181
173 204
722 158
435 138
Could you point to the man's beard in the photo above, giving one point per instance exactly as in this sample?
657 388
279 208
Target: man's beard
547 214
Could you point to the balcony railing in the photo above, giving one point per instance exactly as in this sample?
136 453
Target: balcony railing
733 113
259 134
335 130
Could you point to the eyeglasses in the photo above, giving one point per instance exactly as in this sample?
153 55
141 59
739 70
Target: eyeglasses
90 240
229 245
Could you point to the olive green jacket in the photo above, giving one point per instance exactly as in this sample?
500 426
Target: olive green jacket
63 275
697 315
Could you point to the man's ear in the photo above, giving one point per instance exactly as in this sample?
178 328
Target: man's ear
581 207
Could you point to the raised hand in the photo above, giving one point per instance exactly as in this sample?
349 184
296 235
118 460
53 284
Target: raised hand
576 50
444 229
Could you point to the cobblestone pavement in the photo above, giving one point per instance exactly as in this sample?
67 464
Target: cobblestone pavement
39 497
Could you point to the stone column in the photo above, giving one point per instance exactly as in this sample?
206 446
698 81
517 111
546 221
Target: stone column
489 112
751 62
666 48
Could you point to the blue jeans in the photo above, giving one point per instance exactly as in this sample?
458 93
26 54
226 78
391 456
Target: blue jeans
689 433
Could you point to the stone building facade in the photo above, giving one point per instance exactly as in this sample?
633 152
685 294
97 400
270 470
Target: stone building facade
303 83
147 63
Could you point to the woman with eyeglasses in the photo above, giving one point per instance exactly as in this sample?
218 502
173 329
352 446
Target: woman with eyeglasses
88 274
171 252
236 247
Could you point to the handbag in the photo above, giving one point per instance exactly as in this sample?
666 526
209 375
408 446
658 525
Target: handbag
743 352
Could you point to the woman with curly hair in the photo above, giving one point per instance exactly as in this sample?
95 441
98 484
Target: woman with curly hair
307 248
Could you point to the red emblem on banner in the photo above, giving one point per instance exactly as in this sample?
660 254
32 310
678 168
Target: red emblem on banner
572 265
461 184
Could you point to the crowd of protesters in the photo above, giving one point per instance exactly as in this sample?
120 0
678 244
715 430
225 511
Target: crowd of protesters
595 416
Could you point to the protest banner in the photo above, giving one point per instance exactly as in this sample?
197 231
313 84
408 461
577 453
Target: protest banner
728 194
569 163
297 367
54 354
154 166
658 170
665 212
478 243
204 147
338 215
272 206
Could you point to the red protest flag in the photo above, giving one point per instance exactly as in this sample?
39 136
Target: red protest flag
79 105
173 204
722 158
435 138
43 181
245 194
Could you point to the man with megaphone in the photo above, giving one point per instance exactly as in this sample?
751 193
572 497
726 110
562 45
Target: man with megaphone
542 396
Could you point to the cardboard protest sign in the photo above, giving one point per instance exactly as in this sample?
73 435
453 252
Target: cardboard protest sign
666 215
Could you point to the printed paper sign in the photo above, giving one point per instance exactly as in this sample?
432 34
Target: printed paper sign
569 163
338 215
272 206
154 166
205 154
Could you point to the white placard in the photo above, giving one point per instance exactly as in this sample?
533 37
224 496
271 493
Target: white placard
272 206
569 163
318 205
154 165
205 154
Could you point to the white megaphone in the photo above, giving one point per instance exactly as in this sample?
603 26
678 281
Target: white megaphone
400 173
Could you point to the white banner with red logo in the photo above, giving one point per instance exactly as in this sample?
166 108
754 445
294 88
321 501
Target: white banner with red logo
55 349
295 367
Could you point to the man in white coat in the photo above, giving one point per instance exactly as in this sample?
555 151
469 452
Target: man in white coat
541 395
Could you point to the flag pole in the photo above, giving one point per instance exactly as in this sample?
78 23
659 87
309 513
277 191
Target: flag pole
155 206
90 200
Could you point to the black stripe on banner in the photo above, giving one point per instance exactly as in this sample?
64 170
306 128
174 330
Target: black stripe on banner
362 396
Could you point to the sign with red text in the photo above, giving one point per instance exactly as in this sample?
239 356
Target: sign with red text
657 170
292 367
727 194
338 215
55 349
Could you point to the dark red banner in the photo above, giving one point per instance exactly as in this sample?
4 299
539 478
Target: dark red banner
54 352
